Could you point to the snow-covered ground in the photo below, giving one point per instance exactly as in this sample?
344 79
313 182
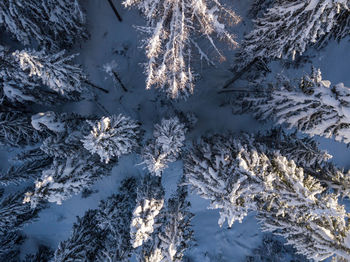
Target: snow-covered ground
117 43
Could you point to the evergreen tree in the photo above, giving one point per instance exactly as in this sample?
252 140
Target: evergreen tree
115 217
56 71
64 179
171 240
289 27
85 242
112 137
149 203
51 23
166 145
304 151
172 28
43 78
102 234
73 168
237 178
13 214
313 107
16 129
28 165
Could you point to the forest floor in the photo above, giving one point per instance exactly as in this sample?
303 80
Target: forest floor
117 43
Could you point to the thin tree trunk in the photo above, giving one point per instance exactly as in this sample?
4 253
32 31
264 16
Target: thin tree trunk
115 10
239 74
119 81
95 86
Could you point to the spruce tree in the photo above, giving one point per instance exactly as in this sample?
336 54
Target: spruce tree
112 137
314 106
166 145
149 203
237 178
289 27
103 234
171 35
51 23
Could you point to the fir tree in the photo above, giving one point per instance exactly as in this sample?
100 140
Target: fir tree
28 165
237 178
172 27
43 78
102 234
171 240
51 23
112 137
149 202
289 27
13 214
166 145
64 179
16 129
85 243
313 107
115 217
56 71
73 168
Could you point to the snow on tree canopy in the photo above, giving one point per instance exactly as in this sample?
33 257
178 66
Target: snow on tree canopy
172 26
56 71
165 147
237 179
48 120
288 27
112 137
313 107
50 23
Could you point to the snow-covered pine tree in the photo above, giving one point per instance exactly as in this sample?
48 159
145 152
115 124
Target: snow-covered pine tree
56 71
237 178
13 214
16 129
314 223
166 145
43 78
175 236
149 203
289 27
115 215
28 165
102 234
66 178
112 137
51 23
304 151
222 170
172 30
85 242
73 168
313 107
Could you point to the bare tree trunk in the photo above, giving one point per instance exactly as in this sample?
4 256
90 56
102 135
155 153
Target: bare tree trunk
119 81
115 10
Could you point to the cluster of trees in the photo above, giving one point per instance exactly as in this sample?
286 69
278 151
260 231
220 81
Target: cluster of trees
291 185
